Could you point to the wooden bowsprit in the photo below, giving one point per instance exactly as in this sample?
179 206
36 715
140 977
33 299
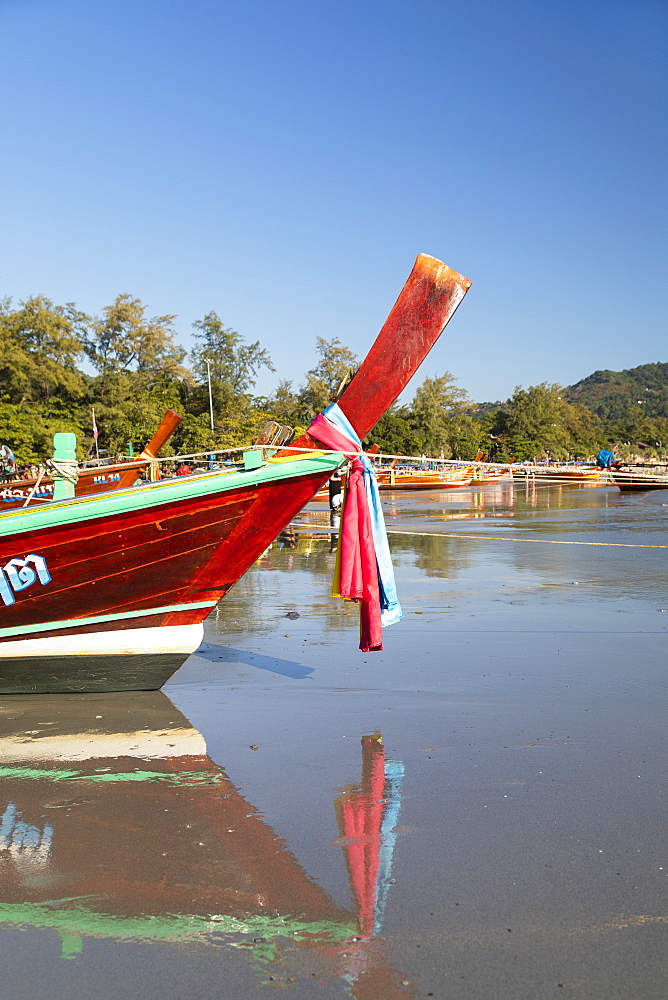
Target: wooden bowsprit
166 428
426 304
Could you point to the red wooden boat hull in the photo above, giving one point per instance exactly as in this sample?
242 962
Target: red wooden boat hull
109 592
160 568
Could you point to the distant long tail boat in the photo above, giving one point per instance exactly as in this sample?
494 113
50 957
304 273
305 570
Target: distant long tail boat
92 478
484 475
565 475
396 477
416 479
639 479
108 592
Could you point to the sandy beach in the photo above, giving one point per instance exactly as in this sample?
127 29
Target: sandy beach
477 811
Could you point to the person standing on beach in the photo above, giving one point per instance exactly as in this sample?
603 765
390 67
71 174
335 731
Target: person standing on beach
335 488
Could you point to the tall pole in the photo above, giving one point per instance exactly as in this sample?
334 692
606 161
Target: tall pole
208 375
95 434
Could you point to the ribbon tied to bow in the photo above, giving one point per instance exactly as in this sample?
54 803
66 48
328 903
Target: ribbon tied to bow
364 570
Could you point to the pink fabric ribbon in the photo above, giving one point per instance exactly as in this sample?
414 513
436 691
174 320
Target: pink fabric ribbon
325 431
356 574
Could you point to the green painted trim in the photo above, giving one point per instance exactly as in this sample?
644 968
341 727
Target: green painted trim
76 622
188 779
254 460
155 495
77 919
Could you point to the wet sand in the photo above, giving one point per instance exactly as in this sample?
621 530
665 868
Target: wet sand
477 811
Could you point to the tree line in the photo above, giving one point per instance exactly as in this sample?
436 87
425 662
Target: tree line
137 369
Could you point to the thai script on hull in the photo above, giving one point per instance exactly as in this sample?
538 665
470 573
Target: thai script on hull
18 574
12 493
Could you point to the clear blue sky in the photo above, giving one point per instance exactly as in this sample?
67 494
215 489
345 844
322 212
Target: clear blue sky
282 162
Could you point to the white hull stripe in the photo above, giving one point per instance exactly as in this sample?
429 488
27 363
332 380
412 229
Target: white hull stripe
98 619
155 640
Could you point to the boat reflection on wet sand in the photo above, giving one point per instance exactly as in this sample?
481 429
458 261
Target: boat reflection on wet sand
116 824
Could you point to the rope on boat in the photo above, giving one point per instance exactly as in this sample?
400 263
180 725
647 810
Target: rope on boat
526 473
67 470
539 541
42 473
456 463
536 475
324 530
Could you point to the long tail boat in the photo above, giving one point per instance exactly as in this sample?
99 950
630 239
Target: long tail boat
92 478
109 592
415 479
162 847
638 479
562 475
484 475
412 479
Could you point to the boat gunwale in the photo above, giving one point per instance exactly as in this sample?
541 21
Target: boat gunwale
54 514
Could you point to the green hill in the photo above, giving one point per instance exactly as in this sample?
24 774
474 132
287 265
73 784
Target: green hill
616 395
